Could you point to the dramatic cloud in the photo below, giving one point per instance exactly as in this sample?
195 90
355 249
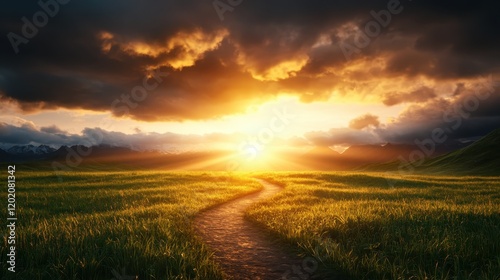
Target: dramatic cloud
470 111
364 121
181 50
53 130
465 116
28 133
468 115
342 137
419 95
176 60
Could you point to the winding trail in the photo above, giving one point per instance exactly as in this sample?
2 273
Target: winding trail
242 249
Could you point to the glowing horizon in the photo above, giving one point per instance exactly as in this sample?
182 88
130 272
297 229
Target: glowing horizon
176 82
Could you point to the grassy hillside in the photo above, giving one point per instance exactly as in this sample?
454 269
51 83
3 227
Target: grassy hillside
482 158
361 228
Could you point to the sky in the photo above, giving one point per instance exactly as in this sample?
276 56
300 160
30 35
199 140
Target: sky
204 75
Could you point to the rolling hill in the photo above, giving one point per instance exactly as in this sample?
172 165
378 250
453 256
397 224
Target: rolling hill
480 158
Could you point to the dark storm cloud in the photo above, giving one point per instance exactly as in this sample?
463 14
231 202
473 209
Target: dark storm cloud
90 53
28 133
470 115
53 130
421 94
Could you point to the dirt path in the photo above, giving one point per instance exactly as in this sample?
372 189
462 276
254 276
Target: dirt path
243 250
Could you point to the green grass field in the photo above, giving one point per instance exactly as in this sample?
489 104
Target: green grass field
94 222
359 226
355 224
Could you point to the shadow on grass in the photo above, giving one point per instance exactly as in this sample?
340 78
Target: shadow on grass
438 244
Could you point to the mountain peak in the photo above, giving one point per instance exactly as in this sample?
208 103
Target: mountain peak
323 151
30 150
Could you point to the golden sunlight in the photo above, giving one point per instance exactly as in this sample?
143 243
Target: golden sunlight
192 45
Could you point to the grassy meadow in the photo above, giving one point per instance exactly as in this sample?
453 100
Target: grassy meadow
96 222
357 225
363 226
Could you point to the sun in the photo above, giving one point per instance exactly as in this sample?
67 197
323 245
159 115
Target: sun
256 158
253 152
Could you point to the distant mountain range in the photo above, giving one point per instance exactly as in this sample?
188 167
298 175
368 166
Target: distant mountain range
324 158
481 157
26 153
30 150
102 155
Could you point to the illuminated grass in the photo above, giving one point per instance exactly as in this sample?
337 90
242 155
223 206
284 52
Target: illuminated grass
356 225
360 227
94 222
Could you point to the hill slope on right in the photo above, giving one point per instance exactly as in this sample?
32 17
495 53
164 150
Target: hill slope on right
480 158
